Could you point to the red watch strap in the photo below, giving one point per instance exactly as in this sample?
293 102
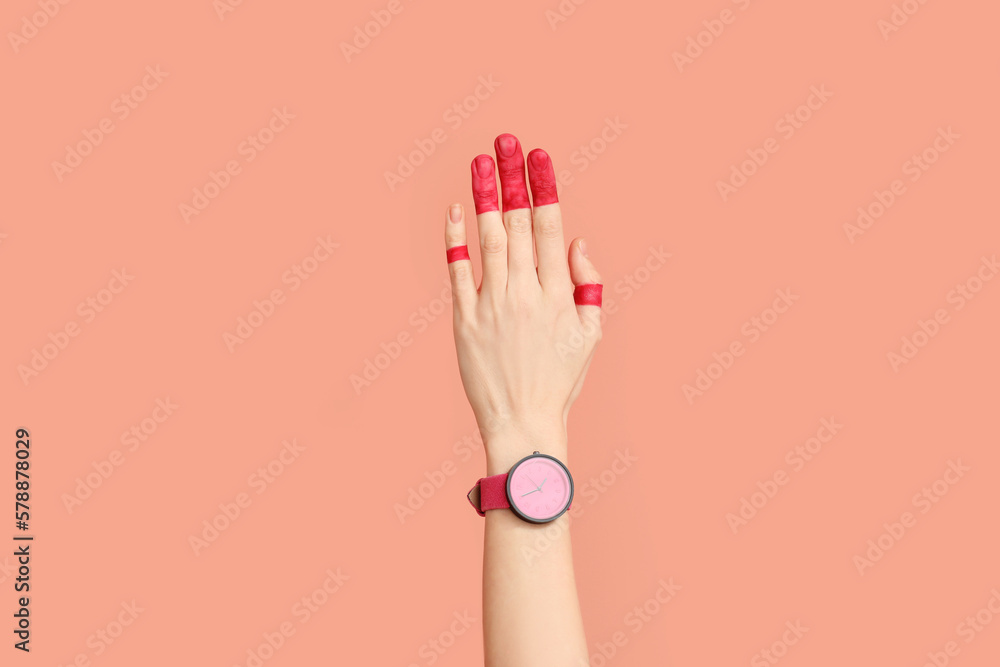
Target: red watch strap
489 493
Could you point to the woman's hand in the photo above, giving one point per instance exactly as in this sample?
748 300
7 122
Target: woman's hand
523 344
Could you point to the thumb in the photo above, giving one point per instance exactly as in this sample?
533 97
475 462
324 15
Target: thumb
587 281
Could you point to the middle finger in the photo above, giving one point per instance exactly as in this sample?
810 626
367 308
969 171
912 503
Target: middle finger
516 210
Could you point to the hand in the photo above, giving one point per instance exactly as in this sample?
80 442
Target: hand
523 344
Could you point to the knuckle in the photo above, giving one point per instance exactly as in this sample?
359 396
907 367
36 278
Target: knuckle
511 171
483 198
519 224
525 305
545 189
494 242
460 270
549 228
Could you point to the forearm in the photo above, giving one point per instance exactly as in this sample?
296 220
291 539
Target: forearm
531 613
524 338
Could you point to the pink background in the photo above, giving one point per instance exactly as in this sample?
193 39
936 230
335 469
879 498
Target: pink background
664 518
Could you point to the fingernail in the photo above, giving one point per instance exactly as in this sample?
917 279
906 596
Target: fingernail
583 248
456 213
506 143
484 166
538 159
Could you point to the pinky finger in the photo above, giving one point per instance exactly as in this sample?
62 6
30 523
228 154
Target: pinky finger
588 290
463 285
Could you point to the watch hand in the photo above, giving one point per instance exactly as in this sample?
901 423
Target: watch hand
543 483
529 493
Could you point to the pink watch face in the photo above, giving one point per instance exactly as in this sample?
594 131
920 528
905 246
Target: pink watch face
539 488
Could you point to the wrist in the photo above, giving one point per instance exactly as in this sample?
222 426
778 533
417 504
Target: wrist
506 449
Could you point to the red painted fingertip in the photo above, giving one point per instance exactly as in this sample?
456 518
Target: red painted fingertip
542 176
484 185
510 164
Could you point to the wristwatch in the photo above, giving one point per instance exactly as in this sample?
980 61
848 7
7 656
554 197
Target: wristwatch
538 489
